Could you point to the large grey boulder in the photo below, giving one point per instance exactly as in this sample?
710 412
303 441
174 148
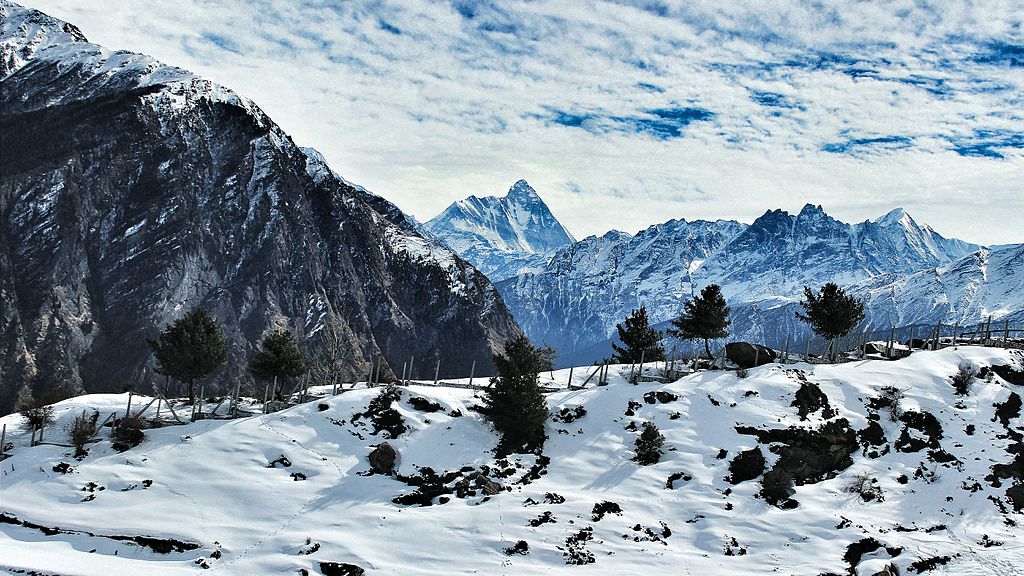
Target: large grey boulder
383 458
747 355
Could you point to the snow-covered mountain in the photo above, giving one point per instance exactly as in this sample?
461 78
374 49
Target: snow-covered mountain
939 490
574 301
501 235
132 192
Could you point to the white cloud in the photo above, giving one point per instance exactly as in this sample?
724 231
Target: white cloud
857 106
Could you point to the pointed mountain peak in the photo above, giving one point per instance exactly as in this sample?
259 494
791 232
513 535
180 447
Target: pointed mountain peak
894 216
522 190
812 210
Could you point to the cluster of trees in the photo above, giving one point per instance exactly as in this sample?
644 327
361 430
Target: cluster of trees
194 346
830 312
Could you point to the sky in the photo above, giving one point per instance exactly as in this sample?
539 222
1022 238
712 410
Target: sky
624 114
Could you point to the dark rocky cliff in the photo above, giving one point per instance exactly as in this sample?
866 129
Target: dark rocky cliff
132 192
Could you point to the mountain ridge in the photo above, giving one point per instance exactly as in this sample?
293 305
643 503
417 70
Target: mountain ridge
165 192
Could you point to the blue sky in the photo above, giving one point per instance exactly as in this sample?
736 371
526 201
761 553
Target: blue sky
628 113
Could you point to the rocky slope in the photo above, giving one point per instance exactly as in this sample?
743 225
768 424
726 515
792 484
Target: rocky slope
501 235
934 487
132 192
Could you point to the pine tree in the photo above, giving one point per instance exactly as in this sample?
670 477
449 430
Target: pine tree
191 348
25 399
703 318
278 356
513 402
831 313
648 445
639 340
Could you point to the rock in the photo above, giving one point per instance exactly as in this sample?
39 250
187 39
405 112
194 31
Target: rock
1015 494
746 355
1008 409
382 459
490 487
810 398
810 456
923 422
747 465
1009 374
424 405
340 569
874 348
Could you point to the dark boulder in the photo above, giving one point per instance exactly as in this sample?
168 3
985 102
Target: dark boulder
1009 374
747 465
746 355
810 456
340 569
810 398
382 459
1008 409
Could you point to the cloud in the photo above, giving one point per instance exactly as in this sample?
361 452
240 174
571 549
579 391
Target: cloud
858 106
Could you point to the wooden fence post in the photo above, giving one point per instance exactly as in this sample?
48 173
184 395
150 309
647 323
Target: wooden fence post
3 440
266 390
569 385
437 370
956 328
412 361
1006 334
472 372
640 372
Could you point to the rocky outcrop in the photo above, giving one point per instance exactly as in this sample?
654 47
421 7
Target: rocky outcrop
133 192
746 355
382 459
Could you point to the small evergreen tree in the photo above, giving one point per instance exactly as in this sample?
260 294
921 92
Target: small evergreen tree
639 340
704 317
648 445
278 356
831 313
25 399
514 403
38 414
191 348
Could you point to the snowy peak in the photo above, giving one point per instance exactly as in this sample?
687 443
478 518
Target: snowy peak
895 216
499 234
24 32
522 191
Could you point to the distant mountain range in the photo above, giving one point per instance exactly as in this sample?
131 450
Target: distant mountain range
906 272
132 192
501 235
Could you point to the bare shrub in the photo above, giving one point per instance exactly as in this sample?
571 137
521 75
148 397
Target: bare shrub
866 487
966 372
892 398
80 431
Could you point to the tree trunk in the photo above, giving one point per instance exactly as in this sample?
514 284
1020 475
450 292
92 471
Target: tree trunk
707 348
191 396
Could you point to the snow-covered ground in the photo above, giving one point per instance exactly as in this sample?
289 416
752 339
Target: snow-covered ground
208 484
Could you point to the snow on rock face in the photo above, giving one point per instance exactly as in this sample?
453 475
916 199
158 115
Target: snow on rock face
501 235
284 492
574 301
141 191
